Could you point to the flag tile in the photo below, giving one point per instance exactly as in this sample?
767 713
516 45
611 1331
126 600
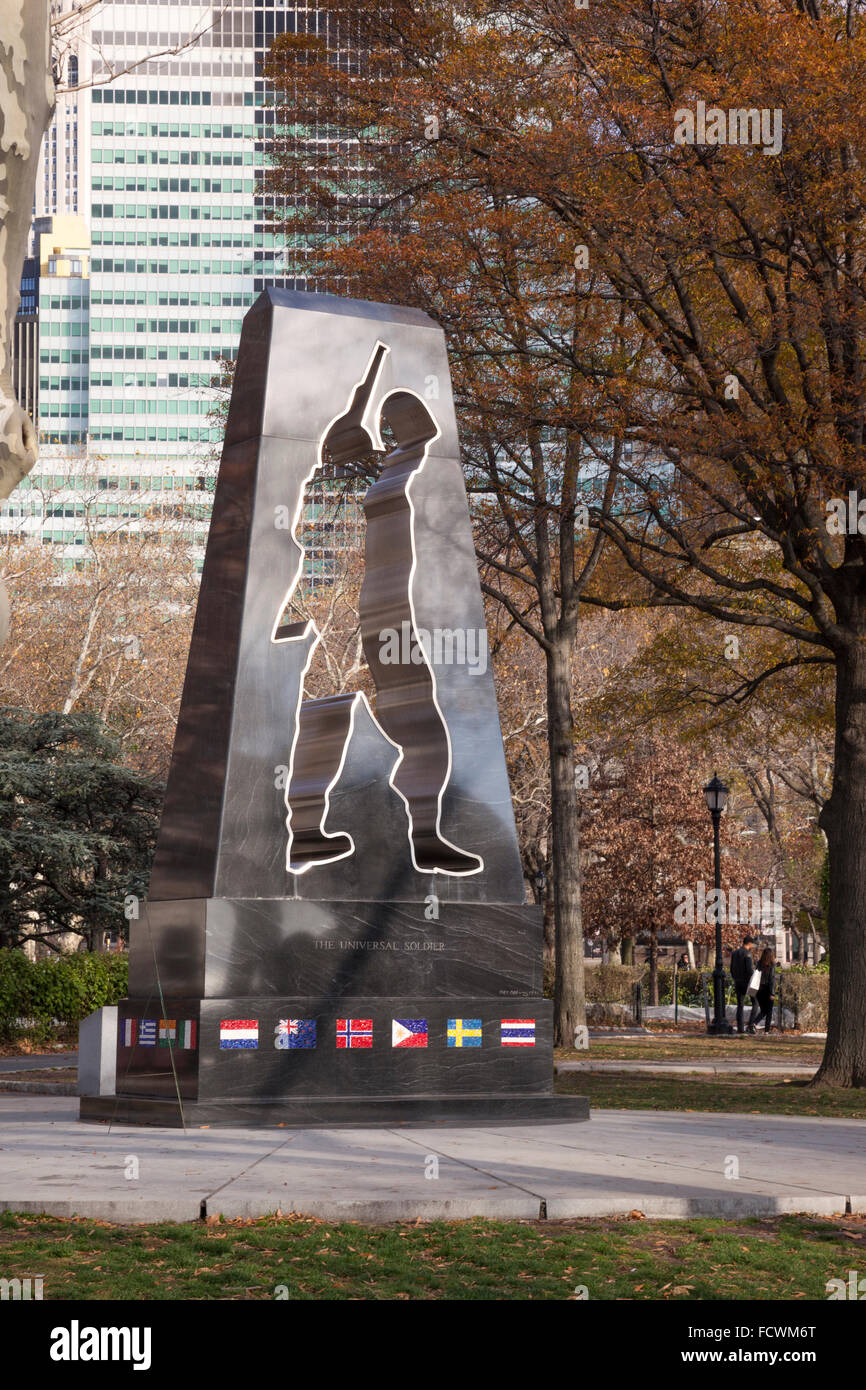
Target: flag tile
354 1032
238 1033
409 1032
167 1032
295 1032
128 1032
464 1032
187 1034
518 1032
147 1032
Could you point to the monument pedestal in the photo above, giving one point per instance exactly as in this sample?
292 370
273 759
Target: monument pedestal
336 930
349 1049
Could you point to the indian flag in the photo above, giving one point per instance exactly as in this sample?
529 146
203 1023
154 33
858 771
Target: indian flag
167 1032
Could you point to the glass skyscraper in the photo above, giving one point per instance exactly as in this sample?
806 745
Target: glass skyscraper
161 151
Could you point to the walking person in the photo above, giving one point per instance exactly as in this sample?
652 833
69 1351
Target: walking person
742 970
767 967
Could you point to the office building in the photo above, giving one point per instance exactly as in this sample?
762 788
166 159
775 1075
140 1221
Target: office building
161 152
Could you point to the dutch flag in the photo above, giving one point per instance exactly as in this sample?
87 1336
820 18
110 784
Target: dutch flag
239 1032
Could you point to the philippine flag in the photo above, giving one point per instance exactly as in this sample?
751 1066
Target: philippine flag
239 1032
409 1032
518 1032
354 1032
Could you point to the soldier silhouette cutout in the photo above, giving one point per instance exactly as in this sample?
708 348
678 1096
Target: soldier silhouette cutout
407 712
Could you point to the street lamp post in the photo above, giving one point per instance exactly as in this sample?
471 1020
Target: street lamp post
717 795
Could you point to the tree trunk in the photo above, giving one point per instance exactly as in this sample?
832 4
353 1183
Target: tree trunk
628 950
569 998
549 917
843 819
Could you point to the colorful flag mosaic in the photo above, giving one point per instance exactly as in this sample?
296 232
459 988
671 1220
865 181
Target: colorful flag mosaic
295 1032
354 1032
464 1032
239 1033
518 1032
409 1032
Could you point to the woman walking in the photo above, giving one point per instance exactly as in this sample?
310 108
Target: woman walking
767 967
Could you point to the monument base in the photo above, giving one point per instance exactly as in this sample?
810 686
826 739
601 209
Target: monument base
344 1060
341 1113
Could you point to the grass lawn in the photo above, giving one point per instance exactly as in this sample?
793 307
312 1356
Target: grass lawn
785 1258
738 1094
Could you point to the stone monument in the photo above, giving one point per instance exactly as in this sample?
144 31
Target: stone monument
336 930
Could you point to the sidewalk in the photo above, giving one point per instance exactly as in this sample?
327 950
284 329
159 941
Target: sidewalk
659 1163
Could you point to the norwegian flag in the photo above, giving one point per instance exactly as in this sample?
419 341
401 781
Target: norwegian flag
354 1032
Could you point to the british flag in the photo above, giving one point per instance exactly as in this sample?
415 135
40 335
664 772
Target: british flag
354 1032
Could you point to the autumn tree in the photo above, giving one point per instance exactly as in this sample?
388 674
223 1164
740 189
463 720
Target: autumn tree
110 639
646 833
706 163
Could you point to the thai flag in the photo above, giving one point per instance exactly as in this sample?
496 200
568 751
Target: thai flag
518 1032
354 1032
239 1032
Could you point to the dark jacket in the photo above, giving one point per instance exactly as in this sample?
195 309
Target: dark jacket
742 968
768 979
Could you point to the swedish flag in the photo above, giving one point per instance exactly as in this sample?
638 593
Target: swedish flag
464 1032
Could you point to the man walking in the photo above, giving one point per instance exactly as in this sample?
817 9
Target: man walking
742 969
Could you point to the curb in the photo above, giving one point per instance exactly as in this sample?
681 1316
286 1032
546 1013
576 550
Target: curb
702 1068
385 1211
41 1088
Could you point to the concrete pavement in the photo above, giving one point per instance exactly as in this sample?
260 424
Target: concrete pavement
660 1163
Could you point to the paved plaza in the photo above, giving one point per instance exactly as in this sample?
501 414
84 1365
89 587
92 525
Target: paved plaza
659 1163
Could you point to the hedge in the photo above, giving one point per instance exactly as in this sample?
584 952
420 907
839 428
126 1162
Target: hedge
35 996
806 993
611 984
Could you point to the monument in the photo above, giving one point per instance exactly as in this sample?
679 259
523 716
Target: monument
336 930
